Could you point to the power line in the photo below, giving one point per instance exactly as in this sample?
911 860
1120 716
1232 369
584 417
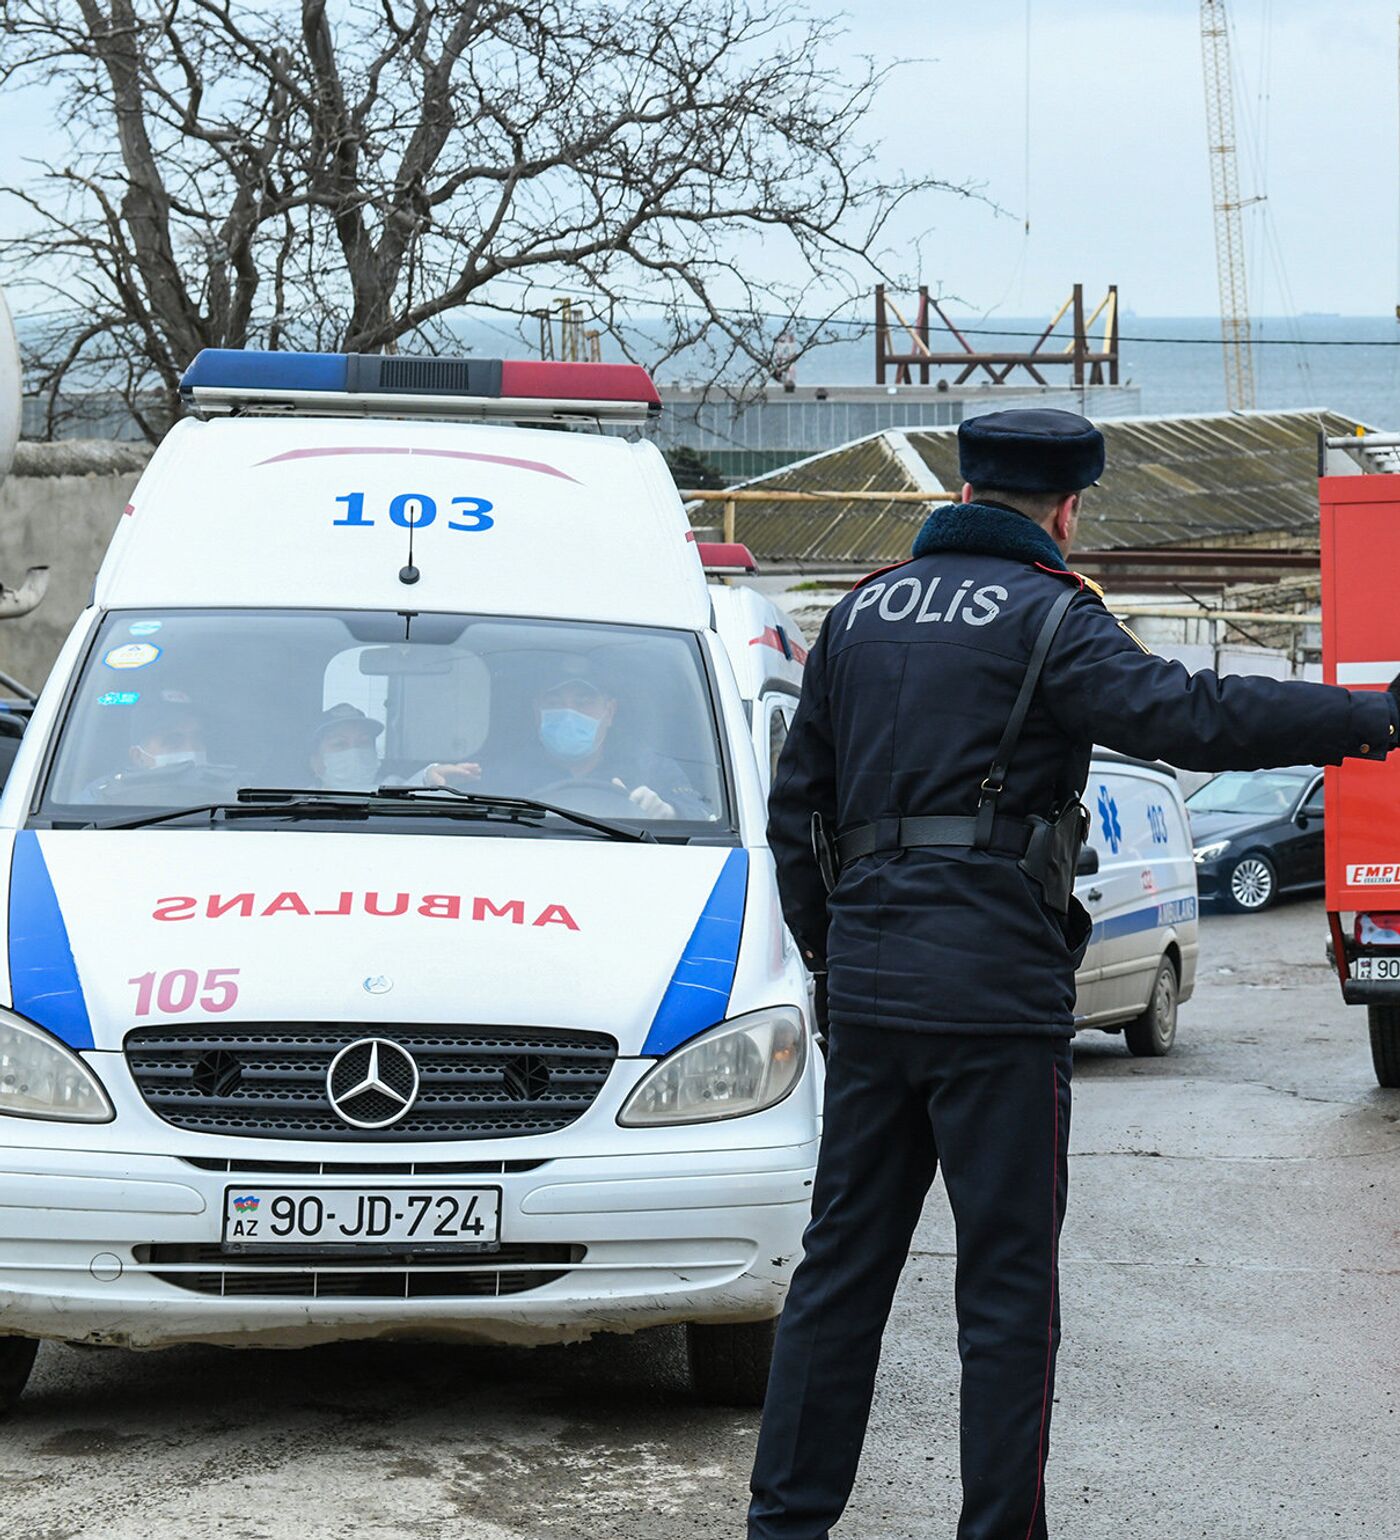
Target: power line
1193 342
855 326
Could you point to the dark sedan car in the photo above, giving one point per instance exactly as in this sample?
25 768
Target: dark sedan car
1256 834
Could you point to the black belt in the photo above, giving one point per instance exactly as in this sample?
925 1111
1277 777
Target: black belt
1009 836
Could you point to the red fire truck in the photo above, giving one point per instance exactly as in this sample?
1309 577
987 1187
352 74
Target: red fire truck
1360 496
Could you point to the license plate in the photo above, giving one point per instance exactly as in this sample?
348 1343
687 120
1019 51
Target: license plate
352 1218
1376 968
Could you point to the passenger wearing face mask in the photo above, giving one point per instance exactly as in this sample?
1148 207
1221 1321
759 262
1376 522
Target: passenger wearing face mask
345 756
344 750
169 738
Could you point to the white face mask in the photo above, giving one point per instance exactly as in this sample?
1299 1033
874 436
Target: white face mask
350 769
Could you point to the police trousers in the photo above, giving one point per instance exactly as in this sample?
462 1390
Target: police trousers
995 1112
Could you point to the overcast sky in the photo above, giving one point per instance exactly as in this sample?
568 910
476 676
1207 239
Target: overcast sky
1119 187
1118 180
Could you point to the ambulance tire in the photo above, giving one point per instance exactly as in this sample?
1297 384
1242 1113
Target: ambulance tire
1151 1036
1384 1021
16 1363
729 1364
1251 884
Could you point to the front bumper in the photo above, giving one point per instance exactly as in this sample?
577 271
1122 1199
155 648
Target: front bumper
1210 878
698 1236
1371 991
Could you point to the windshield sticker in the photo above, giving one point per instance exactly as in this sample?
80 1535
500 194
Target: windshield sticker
132 655
119 698
143 628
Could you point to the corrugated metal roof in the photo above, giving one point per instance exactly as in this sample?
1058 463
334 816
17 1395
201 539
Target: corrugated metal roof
1228 479
843 534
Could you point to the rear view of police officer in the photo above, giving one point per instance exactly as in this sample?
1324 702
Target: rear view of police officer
942 742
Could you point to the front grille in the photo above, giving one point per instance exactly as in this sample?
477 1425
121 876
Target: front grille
307 1275
267 1080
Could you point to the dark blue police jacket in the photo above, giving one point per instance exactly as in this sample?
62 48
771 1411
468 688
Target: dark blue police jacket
907 691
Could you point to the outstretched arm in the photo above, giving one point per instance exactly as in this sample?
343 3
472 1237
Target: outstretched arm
1102 686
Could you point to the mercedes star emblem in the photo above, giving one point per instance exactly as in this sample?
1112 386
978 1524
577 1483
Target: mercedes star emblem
372 1083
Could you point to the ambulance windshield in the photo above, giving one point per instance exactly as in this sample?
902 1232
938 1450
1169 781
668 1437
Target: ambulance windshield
179 708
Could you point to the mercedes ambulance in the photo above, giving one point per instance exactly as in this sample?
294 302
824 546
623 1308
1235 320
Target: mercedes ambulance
392 946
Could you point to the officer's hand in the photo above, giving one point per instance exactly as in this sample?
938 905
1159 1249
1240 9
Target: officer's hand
646 801
451 775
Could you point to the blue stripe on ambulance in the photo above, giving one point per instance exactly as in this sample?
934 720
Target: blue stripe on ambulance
1174 912
43 975
698 995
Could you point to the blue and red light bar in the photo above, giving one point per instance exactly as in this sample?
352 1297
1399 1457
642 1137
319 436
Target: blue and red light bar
222 381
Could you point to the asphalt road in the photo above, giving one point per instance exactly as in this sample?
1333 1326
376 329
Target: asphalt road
1231 1365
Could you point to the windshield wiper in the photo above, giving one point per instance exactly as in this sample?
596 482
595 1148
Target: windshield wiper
254 803
523 809
282 802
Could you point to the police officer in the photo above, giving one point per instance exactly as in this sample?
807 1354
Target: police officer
943 739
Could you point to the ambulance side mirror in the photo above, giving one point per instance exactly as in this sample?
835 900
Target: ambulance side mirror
1088 862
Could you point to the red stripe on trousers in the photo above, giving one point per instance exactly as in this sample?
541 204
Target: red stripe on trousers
1050 1330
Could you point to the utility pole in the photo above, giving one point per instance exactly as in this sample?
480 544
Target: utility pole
1225 195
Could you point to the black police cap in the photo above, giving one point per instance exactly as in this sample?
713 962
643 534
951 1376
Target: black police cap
1035 451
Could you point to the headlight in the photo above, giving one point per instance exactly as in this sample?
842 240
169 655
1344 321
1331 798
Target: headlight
1209 852
40 1078
741 1066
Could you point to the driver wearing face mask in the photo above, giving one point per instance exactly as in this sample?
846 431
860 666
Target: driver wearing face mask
576 717
574 721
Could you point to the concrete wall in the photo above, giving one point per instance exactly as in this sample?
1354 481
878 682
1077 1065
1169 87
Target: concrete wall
9 389
63 521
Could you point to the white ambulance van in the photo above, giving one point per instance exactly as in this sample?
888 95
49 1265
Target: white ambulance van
1137 879
392 946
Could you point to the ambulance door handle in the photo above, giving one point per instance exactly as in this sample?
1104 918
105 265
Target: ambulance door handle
1093 895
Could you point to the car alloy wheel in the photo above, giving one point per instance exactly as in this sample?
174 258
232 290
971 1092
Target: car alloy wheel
1252 883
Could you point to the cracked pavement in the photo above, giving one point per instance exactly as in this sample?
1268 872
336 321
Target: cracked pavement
1230 1366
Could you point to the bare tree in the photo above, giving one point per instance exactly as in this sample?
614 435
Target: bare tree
353 175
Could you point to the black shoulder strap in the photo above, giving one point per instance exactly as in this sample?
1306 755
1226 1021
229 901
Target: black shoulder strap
1001 762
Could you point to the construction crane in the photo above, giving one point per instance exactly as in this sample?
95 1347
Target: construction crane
1225 194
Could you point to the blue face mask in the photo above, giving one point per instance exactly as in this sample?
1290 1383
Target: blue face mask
569 734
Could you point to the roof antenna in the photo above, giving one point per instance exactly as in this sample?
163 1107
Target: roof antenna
410 573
